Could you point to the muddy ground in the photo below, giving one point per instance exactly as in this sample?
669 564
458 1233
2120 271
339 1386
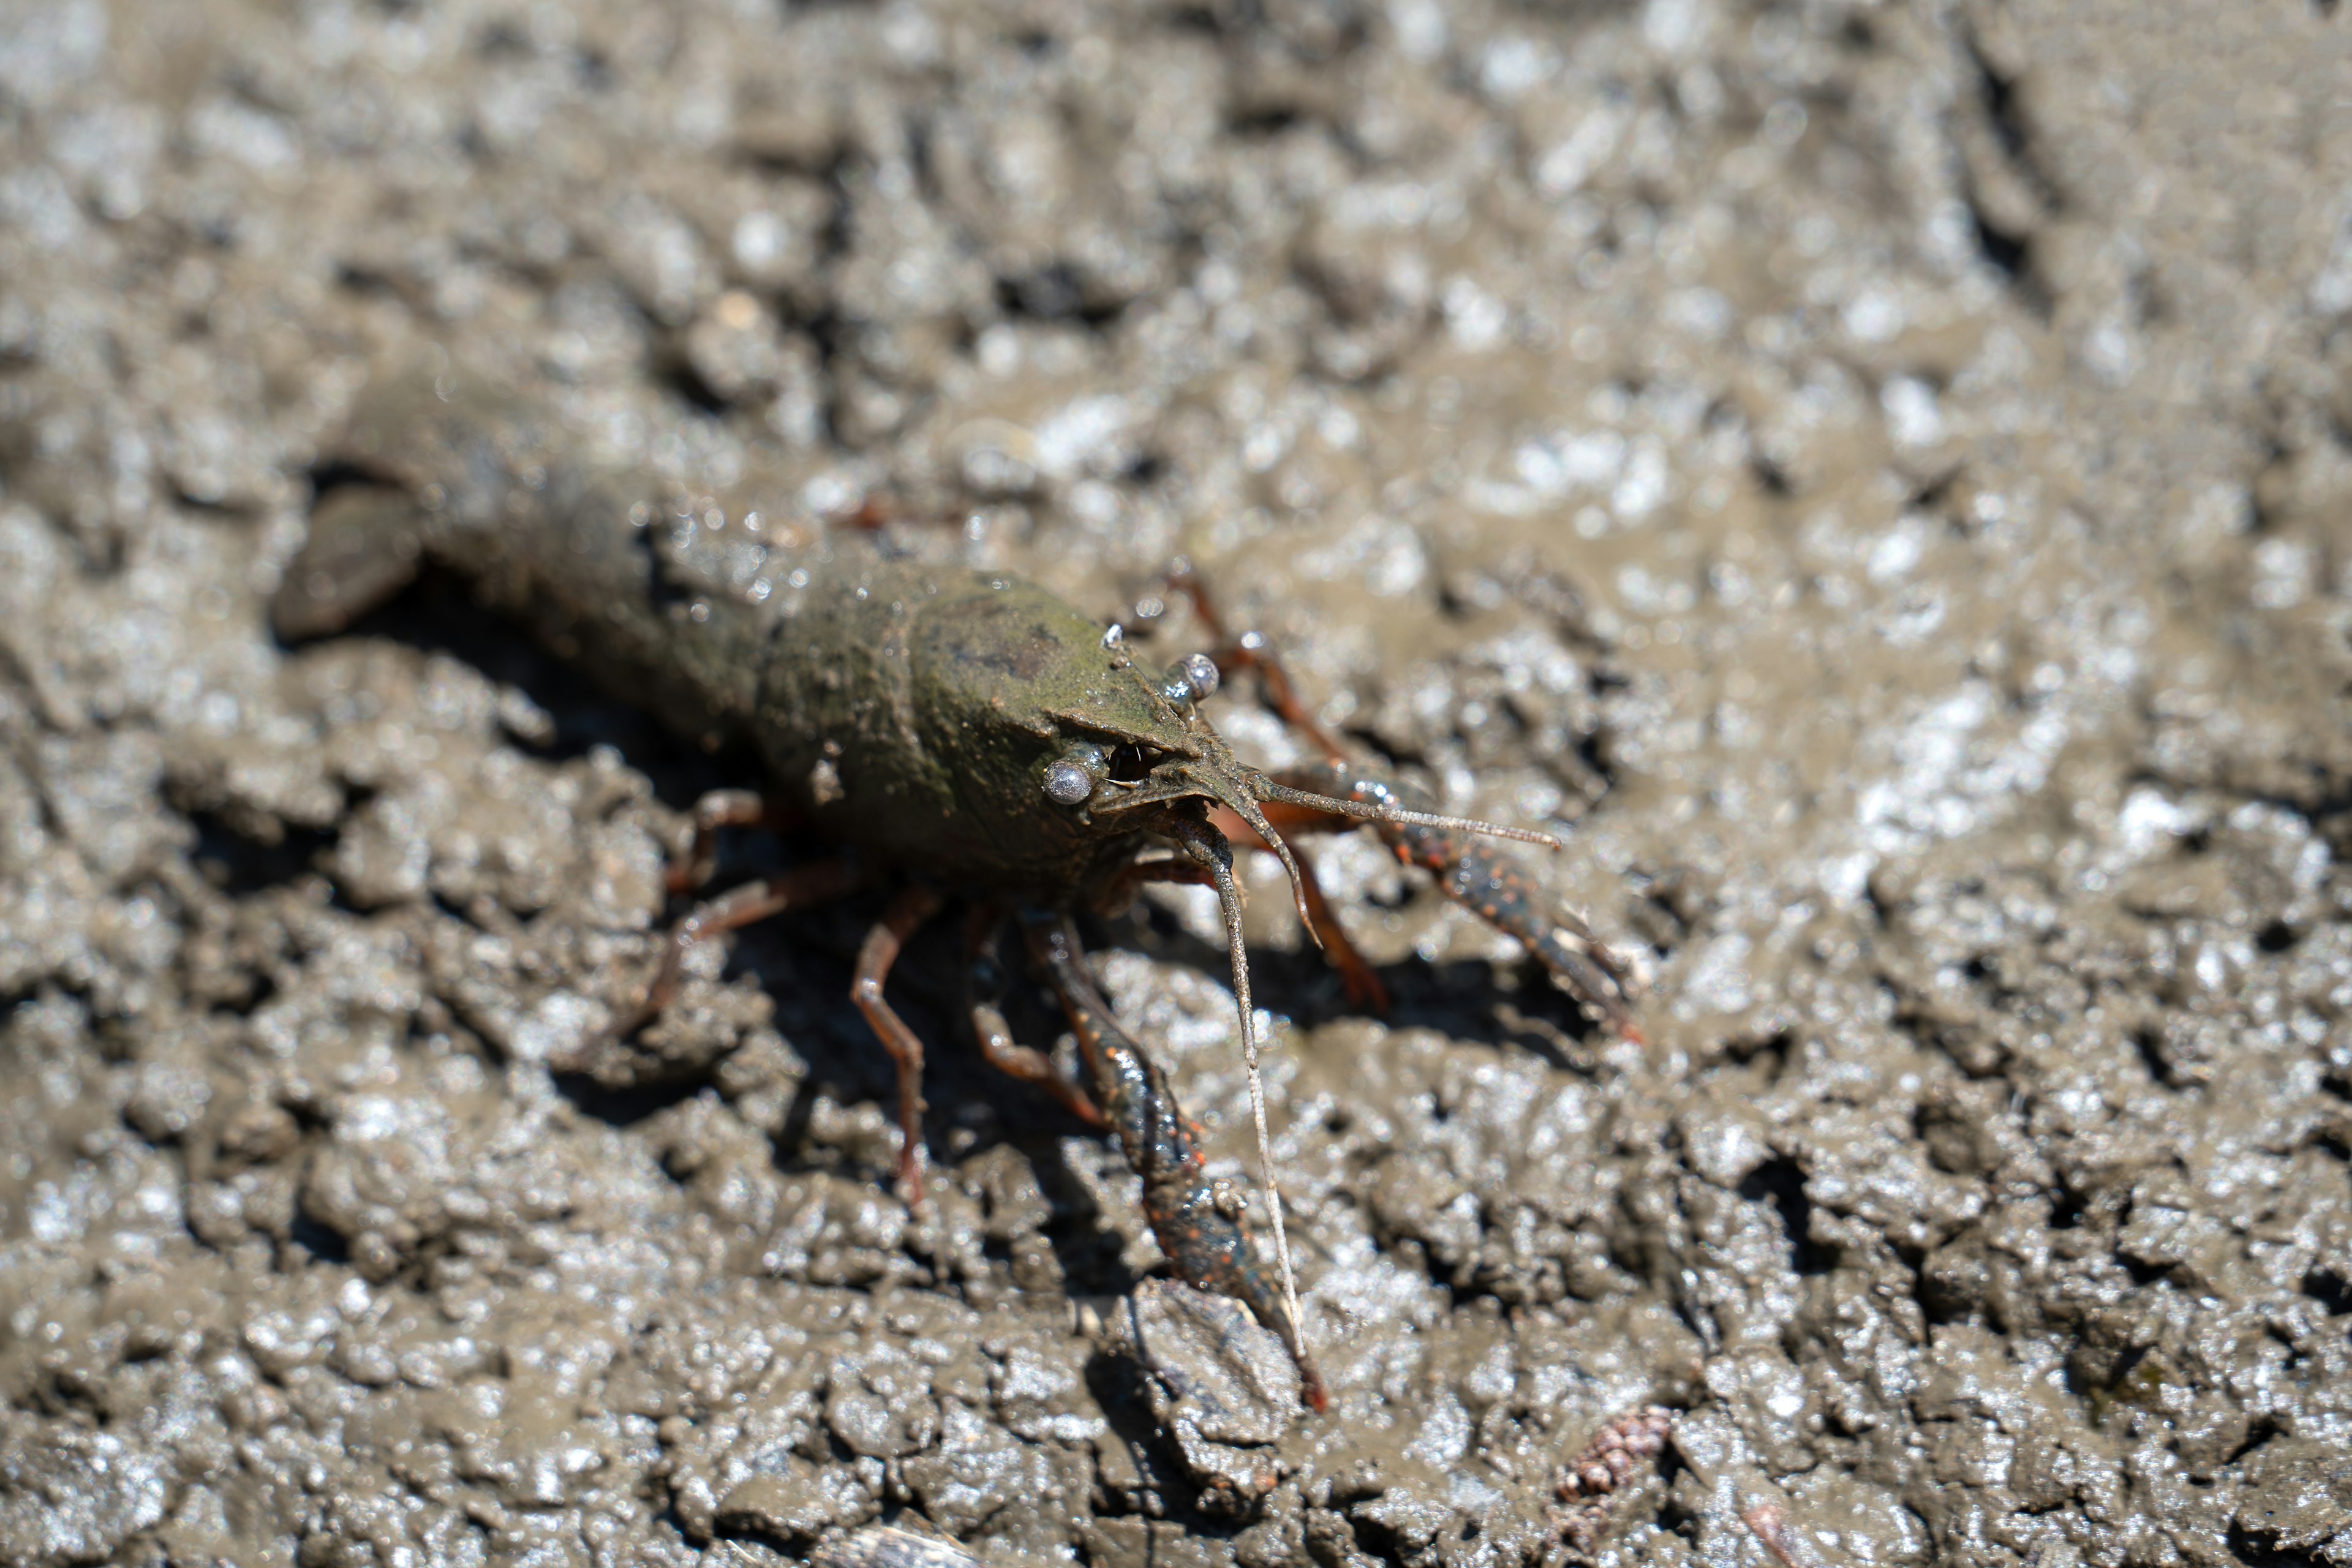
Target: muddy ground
1876 475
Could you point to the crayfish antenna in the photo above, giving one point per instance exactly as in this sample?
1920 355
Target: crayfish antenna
1388 811
1242 803
1208 848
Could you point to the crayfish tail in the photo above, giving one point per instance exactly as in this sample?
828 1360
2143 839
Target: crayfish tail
364 545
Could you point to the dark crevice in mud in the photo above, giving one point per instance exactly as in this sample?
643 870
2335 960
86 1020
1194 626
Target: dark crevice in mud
1266 122
1998 93
1592 750
1767 1051
2012 255
322 1245
593 71
2009 251
2263 518
675 371
240 864
335 474
2330 1285
45 989
2259 1431
2150 1047
1117 1382
1375 1539
365 281
1054 292
2253 1554
1668 912
502 39
1781 1183
1771 476
624 1107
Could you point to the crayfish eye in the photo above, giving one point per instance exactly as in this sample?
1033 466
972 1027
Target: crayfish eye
1193 679
1071 777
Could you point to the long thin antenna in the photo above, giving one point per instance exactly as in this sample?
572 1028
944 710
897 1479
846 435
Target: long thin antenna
1368 811
1209 848
1241 804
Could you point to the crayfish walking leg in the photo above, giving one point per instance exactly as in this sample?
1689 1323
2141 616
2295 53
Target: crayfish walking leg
1003 1052
907 912
794 889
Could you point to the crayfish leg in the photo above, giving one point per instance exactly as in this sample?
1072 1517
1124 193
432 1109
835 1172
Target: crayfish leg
1197 1221
883 944
721 808
1363 987
794 889
984 985
1250 650
1470 871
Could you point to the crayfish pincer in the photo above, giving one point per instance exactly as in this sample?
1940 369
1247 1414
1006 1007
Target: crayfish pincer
968 735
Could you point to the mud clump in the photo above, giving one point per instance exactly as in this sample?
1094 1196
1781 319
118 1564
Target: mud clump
1873 477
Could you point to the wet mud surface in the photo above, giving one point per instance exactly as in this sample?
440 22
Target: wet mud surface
1874 474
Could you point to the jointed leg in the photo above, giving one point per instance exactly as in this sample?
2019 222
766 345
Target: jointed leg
907 912
1250 650
1118 889
1005 1054
1363 987
796 889
719 808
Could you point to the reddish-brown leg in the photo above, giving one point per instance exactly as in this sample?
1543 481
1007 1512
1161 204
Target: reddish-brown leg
1250 650
1003 1052
720 808
1363 987
1118 889
907 912
796 889
1489 884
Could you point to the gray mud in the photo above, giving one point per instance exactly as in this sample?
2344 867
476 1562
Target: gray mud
1877 473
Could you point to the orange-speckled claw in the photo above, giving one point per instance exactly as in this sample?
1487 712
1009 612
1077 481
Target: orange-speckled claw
1202 1237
